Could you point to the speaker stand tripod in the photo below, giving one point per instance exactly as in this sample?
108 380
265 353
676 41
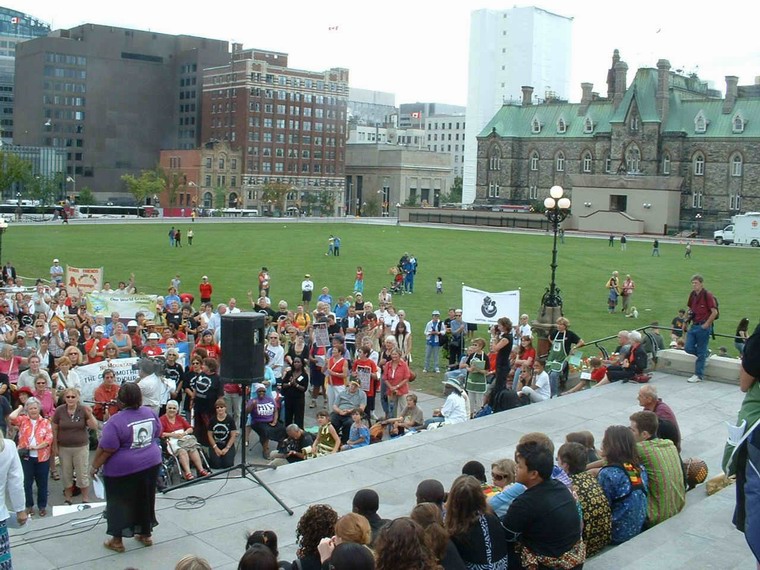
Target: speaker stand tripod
245 469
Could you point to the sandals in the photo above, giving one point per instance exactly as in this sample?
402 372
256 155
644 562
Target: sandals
204 473
55 476
188 476
115 546
43 512
146 540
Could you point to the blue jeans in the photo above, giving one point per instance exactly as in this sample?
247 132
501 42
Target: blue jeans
431 356
36 472
697 341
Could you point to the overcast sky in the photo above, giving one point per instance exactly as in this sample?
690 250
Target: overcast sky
417 49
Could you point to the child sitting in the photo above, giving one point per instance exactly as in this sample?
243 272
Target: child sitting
359 434
597 374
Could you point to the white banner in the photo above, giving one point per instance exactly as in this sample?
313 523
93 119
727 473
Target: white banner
103 304
81 280
482 307
92 375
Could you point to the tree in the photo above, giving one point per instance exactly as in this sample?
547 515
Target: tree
327 203
411 201
220 198
455 193
371 207
86 197
13 170
43 189
173 182
150 183
310 200
275 192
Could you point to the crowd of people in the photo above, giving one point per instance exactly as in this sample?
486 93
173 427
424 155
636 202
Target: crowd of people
351 356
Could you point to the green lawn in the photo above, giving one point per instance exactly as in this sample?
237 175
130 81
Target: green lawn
232 254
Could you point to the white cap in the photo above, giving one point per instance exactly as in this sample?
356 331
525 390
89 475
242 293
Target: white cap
99 329
131 324
154 336
55 260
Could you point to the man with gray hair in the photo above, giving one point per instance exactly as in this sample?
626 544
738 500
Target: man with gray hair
293 448
635 362
150 385
668 426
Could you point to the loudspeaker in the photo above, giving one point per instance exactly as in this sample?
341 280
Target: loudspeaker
242 348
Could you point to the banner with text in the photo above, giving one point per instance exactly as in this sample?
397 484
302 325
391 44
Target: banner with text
81 280
482 307
103 304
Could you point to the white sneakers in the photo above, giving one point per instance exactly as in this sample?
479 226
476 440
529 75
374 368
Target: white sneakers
694 379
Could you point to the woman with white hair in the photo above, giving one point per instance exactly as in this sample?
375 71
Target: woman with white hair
35 440
633 364
177 433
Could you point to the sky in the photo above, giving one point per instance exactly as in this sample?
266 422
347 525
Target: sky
418 49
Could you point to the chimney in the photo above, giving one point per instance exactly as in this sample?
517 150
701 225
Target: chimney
663 89
621 69
586 98
731 92
527 95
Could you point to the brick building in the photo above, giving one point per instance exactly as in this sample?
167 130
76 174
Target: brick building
289 123
658 153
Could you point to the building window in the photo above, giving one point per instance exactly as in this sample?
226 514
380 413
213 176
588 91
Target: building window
666 163
494 163
634 123
588 125
618 203
696 200
208 162
559 162
735 202
736 166
700 123
608 164
699 164
534 161
493 190
535 126
533 193
561 126
633 159
737 123
587 160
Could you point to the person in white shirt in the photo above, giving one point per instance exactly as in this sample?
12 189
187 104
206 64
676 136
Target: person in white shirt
232 306
56 272
522 330
11 490
215 321
276 356
307 288
150 385
402 317
454 410
540 388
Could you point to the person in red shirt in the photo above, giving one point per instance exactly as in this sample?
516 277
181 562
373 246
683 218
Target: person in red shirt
207 343
95 347
336 370
703 310
152 348
368 374
205 289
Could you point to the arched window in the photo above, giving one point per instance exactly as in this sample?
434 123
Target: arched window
534 160
666 163
535 126
632 158
700 123
699 164
588 125
737 123
587 161
494 162
559 162
232 200
208 200
736 165
561 126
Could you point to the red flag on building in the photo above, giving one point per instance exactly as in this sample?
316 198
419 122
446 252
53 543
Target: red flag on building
15 20
416 115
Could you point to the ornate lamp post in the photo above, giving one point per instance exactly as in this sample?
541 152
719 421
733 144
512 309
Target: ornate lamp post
557 209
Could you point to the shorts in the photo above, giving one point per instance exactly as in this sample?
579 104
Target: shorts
306 296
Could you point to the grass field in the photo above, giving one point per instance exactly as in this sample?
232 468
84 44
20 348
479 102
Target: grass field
232 254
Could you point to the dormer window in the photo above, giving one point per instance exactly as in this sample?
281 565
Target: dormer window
535 126
700 123
737 123
561 126
588 125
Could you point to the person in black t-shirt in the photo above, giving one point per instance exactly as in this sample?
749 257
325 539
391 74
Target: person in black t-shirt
543 526
206 390
222 433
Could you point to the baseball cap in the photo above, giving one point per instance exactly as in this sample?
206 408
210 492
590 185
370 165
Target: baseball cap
99 329
437 312
154 336
55 260
21 333
307 276
204 277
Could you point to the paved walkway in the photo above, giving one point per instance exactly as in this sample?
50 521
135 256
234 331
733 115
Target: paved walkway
214 526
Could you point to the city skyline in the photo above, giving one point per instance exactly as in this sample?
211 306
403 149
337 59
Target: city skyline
418 51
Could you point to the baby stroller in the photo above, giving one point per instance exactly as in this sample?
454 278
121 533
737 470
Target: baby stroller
397 285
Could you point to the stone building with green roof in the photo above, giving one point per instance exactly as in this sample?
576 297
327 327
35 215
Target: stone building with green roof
661 151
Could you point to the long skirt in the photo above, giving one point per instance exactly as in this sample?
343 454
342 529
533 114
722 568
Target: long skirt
5 548
131 503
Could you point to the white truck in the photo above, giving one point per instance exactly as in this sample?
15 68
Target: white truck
744 229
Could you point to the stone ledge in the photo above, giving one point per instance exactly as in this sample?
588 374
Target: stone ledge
717 368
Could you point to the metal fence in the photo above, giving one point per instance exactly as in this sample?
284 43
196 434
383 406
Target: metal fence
473 219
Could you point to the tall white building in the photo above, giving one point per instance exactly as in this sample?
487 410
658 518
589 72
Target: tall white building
509 49
445 133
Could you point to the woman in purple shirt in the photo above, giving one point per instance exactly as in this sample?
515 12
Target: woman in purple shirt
130 456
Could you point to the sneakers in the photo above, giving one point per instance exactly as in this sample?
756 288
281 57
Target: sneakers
694 379
424 370
437 370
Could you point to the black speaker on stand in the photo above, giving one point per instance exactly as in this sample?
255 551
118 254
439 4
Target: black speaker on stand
243 340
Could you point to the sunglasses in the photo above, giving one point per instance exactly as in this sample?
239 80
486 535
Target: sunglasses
498 476
70 397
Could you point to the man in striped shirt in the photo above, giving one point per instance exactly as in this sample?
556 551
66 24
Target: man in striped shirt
667 492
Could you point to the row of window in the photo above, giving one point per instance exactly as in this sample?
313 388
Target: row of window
51 57
188 81
443 137
292 153
284 80
63 100
256 107
445 148
632 162
434 126
292 167
68 73
280 138
67 87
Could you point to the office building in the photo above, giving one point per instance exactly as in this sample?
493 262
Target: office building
445 133
509 49
112 98
371 108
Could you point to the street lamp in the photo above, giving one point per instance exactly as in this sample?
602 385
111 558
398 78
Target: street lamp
18 206
557 209
73 181
3 227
